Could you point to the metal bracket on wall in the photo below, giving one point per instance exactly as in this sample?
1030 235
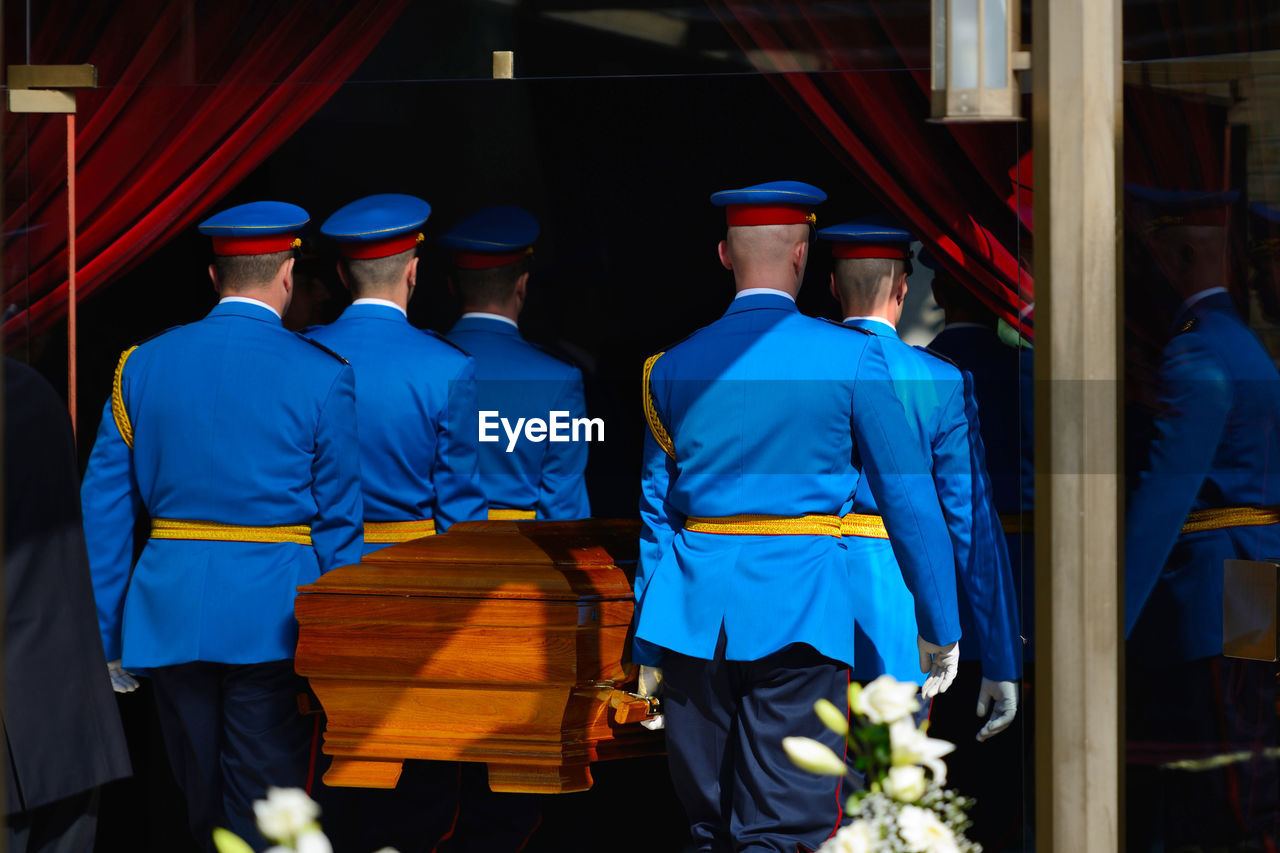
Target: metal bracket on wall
46 88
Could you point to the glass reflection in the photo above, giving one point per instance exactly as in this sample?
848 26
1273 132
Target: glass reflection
1203 434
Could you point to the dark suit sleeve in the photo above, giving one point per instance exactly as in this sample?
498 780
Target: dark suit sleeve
337 532
1195 394
899 474
982 558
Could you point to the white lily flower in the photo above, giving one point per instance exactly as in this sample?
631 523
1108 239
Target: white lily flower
314 841
885 700
854 838
809 754
906 784
924 832
908 745
832 717
285 814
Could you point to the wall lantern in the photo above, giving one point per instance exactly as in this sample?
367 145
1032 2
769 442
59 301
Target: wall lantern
974 60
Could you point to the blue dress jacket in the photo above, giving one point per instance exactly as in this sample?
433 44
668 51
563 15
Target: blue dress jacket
1215 443
1003 389
234 420
771 412
416 400
939 404
517 379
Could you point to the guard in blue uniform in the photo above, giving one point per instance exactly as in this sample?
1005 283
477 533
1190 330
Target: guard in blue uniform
1003 378
416 401
524 479
1205 490
531 479
415 391
1003 391
870 282
238 439
761 427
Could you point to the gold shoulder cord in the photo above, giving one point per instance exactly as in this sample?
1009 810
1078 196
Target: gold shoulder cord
118 411
651 412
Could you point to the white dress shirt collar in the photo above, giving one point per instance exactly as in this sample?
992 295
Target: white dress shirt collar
485 315
385 303
762 291
250 301
874 320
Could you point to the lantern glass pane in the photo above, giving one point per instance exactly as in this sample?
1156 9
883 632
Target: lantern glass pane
963 44
995 47
939 44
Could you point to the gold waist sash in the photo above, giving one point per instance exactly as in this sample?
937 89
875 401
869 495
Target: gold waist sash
766 525
391 532
512 515
866 526
1220 518
215 531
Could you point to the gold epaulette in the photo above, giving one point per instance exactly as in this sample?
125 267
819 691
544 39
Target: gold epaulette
216 531
866 526
512 515
1220 518
118 410
391 532
766 525
659 431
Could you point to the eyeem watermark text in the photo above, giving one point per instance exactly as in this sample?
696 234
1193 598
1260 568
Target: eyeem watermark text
557 427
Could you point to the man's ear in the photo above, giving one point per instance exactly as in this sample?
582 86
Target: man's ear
522 285
411 274
835 294
342 275
213 277
799 256
723 251
286 274
453 287
900 289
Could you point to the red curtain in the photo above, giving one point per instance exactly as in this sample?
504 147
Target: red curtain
193 96
955 186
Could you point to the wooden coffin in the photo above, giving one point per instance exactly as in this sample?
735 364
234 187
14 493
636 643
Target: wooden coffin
500 642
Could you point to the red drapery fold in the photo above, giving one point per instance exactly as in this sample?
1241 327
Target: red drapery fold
954 186
178 122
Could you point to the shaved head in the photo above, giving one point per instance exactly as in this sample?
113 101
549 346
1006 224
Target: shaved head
767 255
864 283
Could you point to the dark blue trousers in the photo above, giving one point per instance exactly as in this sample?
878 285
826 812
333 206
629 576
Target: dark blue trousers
725 725
232 730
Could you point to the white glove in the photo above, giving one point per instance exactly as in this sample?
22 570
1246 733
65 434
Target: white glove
1001 699
122 681
650 687
941 662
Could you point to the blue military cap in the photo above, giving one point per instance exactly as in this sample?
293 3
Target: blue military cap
377 226
492 237
869 237
1161 208
257 228
772 203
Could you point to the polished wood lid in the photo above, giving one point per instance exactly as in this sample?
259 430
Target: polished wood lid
589 560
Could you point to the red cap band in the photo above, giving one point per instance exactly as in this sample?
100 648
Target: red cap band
380 248
768 214
254 245
887 251
487 260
